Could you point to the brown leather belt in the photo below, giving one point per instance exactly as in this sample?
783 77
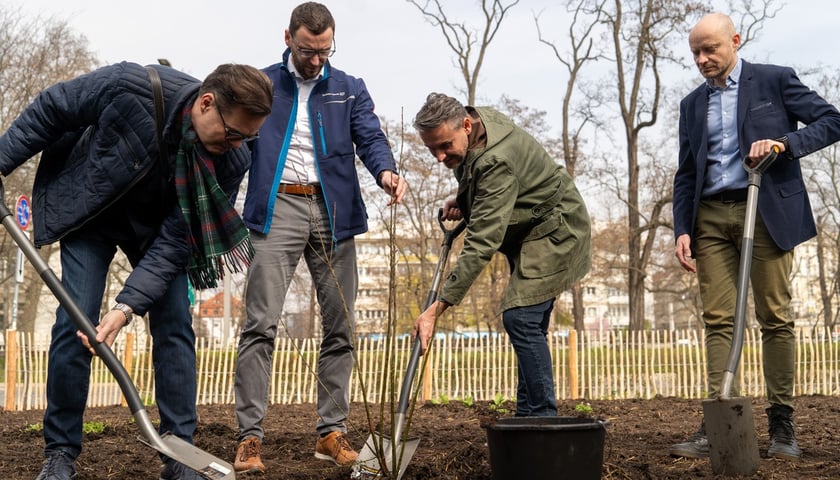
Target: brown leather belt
729 196
300 189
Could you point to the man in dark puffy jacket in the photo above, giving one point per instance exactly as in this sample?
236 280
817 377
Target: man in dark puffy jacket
104 183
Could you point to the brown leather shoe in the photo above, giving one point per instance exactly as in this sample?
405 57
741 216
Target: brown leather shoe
336 448
248 457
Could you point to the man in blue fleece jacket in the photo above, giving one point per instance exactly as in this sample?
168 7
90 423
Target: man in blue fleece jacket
304 199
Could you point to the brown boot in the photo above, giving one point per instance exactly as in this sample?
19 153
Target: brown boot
248 457
336 448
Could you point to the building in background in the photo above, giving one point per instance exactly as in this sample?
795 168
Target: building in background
606 304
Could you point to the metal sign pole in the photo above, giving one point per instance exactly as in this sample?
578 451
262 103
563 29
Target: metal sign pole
23 215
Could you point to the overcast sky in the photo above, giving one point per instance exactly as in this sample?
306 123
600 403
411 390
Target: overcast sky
400 56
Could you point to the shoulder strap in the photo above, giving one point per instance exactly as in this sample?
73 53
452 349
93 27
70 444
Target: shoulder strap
160 120
157 93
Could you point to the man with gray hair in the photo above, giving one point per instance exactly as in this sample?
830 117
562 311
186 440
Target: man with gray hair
517 201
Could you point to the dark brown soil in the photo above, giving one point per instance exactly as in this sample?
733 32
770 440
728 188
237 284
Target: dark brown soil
453 443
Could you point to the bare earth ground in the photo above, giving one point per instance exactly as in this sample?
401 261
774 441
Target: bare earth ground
453 443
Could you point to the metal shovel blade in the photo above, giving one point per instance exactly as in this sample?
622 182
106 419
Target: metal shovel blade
193 457
171 446
367 465
184 452
733 448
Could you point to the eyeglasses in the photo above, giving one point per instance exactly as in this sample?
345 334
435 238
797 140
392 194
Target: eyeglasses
232 135
307 53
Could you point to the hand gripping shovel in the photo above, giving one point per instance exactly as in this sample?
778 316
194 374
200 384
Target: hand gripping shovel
169 445
378 445
733 447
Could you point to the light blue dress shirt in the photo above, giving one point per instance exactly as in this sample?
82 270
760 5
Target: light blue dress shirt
724 170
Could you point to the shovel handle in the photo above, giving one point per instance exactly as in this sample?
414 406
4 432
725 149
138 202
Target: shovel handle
764 163
449 236
67 302
743 283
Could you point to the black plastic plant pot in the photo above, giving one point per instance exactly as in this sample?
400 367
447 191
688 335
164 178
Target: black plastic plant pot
543 448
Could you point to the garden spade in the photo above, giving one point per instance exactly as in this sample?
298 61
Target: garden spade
381 445
167 444
733 448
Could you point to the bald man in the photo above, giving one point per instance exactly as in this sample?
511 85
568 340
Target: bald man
740 112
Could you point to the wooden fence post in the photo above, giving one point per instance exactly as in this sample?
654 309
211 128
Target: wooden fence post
426 391
573 364
128 361
11 368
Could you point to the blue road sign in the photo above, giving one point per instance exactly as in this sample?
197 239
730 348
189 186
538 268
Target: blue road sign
22 212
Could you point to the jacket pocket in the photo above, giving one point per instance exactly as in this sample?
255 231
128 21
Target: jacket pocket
762 109
791 187
545 250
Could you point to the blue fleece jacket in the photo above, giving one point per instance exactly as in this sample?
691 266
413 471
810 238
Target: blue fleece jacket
343 125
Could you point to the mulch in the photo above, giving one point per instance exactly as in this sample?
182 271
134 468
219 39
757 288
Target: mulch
453 443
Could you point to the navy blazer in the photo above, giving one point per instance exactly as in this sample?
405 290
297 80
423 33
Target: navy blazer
771 103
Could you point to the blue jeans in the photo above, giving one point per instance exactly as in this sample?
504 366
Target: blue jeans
527 328
85 259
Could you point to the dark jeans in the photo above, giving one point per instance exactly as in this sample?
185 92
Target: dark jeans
527 328
84 268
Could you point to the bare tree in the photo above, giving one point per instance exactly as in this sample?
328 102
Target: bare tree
469 44
582 51
464 42
34 54
642 33
413 228
823 171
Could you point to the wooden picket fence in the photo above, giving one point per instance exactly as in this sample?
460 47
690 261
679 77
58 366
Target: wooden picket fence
603 365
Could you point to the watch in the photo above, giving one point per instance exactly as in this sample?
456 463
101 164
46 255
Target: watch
126 310
784 141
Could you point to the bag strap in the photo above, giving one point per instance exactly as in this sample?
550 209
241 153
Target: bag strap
160 119
157 94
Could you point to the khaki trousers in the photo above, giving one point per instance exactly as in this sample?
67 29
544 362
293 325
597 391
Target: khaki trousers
719 233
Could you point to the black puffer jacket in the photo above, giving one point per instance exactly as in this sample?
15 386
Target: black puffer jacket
98 136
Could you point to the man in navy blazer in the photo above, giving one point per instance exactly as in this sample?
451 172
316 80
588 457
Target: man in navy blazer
742 111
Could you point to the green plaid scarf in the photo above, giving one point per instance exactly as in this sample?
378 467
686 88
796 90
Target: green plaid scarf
217 236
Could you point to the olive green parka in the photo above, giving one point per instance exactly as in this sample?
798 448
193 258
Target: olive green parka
519 202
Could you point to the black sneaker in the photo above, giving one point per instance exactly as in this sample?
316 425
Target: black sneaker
697 445
59 465
782 437
173 470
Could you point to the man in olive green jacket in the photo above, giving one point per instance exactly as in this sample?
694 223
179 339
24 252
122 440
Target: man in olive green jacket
517 201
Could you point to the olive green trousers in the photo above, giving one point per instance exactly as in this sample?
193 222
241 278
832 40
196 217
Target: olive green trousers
719 233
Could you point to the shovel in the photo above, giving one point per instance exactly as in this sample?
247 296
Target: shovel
381 445
733 448
167 444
